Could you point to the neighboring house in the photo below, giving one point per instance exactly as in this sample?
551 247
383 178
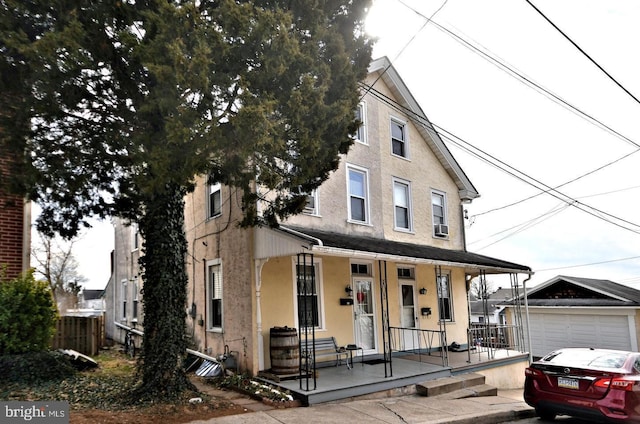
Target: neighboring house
91 299
380 248
582 312
123 292
492 309
15 228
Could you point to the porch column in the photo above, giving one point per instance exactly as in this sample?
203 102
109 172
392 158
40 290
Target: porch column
259 264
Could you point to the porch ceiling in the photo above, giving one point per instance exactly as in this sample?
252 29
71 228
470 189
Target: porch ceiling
373 248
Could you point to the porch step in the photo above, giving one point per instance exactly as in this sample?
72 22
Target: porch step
462 385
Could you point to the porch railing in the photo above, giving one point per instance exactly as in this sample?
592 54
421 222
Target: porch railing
420 342
490 338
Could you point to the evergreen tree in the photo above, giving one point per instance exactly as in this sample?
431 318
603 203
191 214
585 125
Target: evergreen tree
115 106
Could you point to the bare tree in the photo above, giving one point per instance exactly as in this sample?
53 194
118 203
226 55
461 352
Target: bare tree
478 292
56 264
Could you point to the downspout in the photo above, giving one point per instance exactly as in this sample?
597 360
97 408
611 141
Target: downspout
526 308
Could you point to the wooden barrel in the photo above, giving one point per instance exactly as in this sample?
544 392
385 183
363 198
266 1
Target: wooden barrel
284 349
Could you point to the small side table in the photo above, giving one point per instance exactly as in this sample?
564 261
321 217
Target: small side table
354 348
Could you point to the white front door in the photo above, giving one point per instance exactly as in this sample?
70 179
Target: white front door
364 314
408 316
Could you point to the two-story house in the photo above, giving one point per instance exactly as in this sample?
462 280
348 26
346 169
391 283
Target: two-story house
377 259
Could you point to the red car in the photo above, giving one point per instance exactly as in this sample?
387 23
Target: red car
588 383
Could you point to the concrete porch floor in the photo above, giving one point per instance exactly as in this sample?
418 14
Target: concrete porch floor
334 383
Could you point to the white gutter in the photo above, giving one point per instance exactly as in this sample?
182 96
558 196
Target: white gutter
336 251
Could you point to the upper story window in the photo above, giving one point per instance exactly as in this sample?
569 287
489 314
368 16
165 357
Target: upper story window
135 237
214 201
358 194
439 210
361 134
311 207
402 205
399 140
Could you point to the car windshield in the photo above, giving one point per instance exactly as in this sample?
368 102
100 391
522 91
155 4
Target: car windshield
587 358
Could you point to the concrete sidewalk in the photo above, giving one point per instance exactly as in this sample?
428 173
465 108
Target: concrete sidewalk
414 409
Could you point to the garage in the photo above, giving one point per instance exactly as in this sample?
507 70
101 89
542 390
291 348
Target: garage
552 329
581 312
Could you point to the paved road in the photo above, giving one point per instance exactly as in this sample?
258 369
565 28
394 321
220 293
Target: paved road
560 419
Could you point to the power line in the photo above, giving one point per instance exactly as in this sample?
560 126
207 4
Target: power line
407 43
583 52
503 166
510 70
589 264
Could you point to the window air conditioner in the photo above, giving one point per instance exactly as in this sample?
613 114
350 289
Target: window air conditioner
441 230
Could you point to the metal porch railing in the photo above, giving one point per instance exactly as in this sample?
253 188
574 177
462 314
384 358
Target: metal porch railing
420 342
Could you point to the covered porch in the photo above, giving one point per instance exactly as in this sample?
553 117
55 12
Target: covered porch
377 378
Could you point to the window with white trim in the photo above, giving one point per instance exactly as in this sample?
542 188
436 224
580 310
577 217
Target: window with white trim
136 291
214 295
358 194
402 205
214 200
135 236
439 214
309 300
311 207
124 299
445 298
361 133
399 138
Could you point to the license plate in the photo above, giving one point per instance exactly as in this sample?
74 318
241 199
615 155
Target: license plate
568 383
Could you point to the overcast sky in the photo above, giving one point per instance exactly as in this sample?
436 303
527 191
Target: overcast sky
538 136
466 95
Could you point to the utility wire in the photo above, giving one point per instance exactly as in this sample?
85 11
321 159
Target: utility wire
492 160
589 264
583 52
510 70
406 44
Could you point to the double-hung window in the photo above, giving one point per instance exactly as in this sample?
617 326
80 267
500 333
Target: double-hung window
214 201
358 194
399 138
402 204
214 295
439 211
124 299
136 291
445 300
311 207
361 133
308 292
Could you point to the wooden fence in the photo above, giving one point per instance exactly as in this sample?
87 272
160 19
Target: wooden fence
84 334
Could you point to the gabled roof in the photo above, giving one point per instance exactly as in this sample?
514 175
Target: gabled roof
568 291
92 294
399 89
350 244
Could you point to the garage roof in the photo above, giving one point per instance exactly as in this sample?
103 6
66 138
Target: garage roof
578 291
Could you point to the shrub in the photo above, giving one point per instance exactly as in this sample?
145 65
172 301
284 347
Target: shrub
27 315
35 367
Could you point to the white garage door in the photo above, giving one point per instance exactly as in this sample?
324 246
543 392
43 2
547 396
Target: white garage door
550 331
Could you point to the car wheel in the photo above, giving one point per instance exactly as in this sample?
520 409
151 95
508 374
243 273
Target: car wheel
545 414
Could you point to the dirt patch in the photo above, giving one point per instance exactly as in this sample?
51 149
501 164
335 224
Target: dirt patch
157 414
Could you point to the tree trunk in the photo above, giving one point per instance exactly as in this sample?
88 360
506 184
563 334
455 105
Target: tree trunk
161 365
